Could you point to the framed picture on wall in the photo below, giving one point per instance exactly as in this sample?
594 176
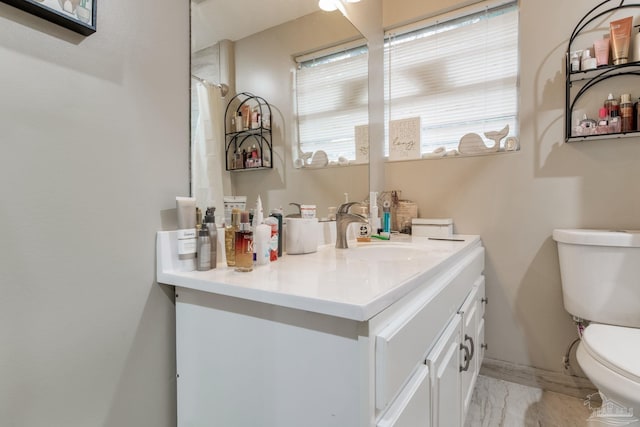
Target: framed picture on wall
76 15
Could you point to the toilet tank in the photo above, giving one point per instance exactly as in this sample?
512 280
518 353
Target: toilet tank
600 273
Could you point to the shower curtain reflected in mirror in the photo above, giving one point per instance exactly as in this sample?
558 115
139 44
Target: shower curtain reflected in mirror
209 180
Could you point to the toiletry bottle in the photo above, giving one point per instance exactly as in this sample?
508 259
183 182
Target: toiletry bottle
588 126
386 217
230 237
277 214
603 122
234 120
246 117
588 62
575 62
626 113
255 118
239 122
364 229
204 249
601 50
187 234
374 218
613 110
244 244
272 222
210 222
261 236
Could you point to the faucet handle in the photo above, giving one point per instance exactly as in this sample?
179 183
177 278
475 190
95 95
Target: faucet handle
344 208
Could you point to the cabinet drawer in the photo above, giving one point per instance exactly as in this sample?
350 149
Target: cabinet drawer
413 406
403 343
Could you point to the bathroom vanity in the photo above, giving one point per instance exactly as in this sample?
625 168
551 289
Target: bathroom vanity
380 334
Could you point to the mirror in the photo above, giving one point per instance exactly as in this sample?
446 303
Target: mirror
252 50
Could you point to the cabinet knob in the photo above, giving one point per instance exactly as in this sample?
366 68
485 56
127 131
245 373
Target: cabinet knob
485 300
484 346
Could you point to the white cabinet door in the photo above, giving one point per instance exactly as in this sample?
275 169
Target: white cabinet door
444 364
412 408
470 312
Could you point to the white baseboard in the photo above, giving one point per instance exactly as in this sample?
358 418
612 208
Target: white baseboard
570 385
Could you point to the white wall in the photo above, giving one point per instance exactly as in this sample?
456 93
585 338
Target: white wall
513 200
94 147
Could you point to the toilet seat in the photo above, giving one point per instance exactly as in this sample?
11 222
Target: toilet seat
615 347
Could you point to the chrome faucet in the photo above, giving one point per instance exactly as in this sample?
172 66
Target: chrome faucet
343 219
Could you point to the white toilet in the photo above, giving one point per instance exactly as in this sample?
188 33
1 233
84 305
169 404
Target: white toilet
601 284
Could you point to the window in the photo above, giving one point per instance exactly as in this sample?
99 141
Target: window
332 98
458 75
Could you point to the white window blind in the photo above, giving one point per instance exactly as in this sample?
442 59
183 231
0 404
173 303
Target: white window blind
332 98
459 76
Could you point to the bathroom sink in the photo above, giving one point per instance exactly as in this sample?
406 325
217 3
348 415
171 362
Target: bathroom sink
386 251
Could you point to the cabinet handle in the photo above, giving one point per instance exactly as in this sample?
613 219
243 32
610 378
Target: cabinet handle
467 359
468 338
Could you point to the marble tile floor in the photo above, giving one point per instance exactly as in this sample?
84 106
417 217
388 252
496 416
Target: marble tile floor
498 403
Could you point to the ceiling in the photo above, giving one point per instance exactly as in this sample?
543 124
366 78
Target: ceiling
214 20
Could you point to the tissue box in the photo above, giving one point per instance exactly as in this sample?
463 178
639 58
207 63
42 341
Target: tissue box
442 227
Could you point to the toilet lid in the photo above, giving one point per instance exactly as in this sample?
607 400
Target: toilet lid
616 347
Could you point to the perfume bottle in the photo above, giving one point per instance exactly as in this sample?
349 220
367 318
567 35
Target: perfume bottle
230 237
244 244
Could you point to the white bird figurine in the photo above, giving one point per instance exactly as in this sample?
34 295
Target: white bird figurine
496 136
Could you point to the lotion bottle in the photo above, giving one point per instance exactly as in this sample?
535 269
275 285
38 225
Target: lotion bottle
261 236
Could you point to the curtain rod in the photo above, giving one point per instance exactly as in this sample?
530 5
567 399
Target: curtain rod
224 88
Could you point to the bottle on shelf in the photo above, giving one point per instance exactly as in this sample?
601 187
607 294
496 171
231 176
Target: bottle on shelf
575 61
626 113
603 122
588 62
613 112
238 122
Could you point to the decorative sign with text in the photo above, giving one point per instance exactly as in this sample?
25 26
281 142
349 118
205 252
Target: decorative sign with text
404 139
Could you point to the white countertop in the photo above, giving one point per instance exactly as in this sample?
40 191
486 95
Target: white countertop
355 283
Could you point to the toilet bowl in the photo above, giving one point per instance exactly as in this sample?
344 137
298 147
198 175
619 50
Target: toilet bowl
600 273
609 357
